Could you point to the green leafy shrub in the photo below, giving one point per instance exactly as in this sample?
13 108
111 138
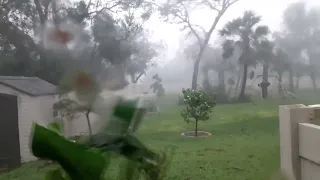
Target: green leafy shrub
199 105
90 159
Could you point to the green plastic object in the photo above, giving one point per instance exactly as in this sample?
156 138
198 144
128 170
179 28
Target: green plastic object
77 161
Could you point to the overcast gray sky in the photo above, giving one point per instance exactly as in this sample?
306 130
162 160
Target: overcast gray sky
270 10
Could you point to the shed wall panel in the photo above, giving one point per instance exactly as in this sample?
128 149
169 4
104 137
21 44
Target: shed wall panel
30 109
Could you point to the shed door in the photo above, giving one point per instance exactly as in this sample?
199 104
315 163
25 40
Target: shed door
9 133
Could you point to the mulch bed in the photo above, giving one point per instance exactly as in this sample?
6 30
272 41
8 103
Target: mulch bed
200 134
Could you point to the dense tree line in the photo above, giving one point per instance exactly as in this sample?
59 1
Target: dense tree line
248 44
108 38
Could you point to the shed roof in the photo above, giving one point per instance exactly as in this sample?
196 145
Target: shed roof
32 86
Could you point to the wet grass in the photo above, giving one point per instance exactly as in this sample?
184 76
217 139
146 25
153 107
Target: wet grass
244 144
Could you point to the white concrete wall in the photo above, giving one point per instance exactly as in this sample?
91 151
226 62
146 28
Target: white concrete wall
309 148
30 109
299 142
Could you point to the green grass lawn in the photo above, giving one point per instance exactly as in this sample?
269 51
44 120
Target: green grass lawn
244 144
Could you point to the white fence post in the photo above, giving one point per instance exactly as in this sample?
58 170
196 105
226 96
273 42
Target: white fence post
290 117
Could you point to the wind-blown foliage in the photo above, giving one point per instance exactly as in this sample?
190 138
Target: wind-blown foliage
214 60
29 37
300 39
246 31
179 12
264 54
90 159
199 105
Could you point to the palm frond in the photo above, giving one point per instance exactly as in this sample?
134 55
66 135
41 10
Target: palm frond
281 61
264 51
224 32
228 49
250 19
232 27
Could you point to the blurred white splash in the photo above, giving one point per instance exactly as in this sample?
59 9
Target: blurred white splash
53 39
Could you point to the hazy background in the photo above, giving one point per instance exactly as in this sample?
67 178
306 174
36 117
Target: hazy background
174 69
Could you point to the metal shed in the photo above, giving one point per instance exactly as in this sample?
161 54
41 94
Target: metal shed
23 100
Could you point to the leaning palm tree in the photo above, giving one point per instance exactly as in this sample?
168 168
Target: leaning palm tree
280 65
300 69
313 68
243 31
264 55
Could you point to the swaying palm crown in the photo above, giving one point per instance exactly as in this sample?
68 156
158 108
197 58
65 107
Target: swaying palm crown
243 32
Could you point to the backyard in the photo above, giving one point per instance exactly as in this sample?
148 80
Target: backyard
244 144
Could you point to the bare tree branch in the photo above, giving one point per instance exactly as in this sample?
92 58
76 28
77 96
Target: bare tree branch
201 28
187 20
230 3
138 77
106 8
209 4
180 11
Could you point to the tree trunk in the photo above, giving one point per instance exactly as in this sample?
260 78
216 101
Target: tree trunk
134 78
264 85
221 85
196 72
196 130
244 81
229 92
280 82
203 45
206 84
291 86
239 79
313 79
314 84
297 83
89 124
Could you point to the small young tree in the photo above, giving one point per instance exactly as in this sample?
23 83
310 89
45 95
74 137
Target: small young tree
199 106
66 109
87 92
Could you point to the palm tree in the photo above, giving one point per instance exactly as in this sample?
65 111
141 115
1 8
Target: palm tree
232 54
292 48
244 31
313 73
264 54
299 69
213 60
280 65
313 56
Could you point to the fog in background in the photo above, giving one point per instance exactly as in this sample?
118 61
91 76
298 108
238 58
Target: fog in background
176 70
